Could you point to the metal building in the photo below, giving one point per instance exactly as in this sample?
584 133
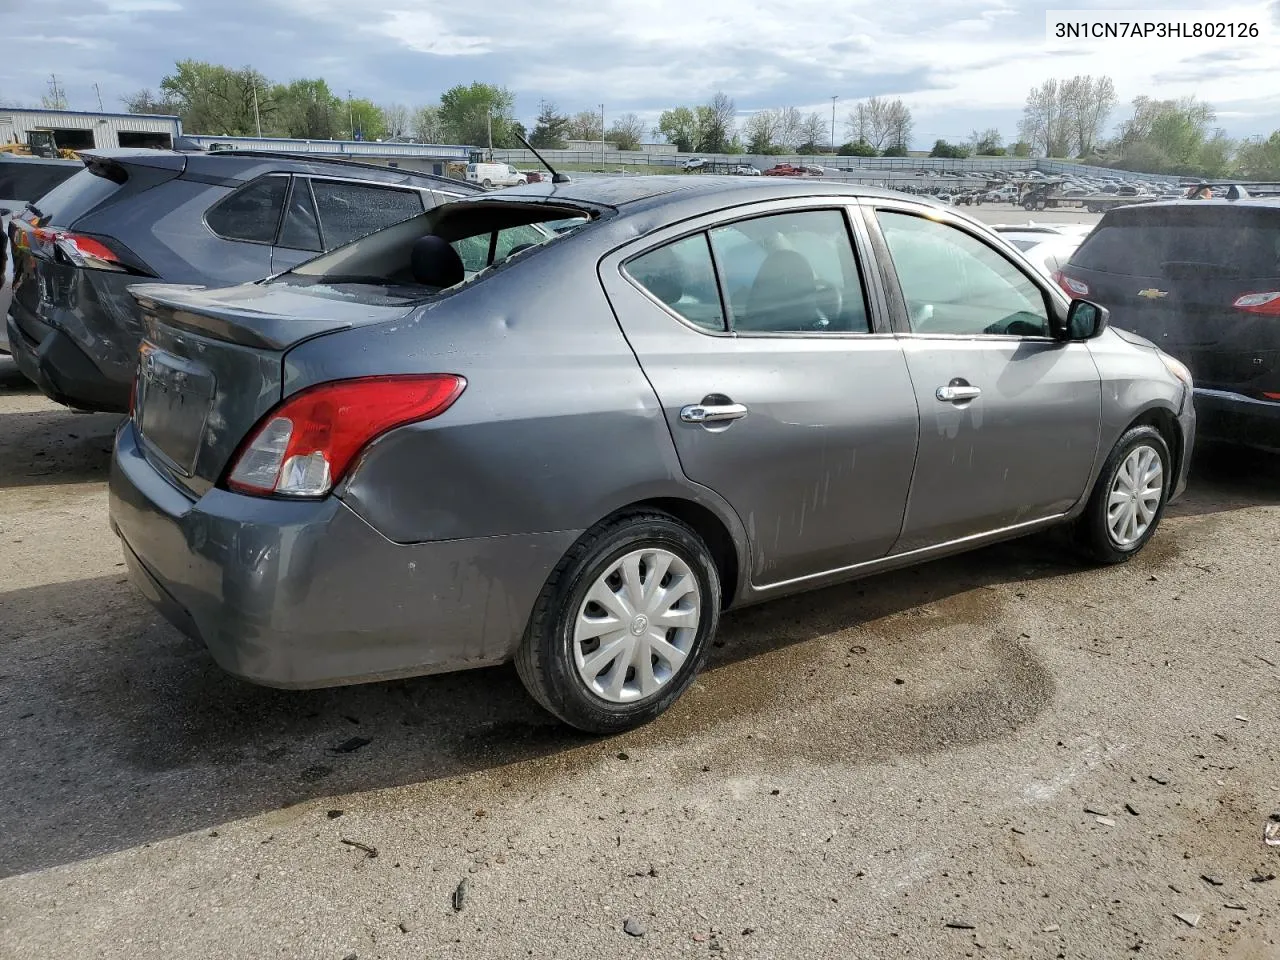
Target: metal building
84 130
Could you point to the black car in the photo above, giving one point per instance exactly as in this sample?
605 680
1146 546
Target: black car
1201 280
214 219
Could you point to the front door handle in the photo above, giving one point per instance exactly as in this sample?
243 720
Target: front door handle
712 413
958 393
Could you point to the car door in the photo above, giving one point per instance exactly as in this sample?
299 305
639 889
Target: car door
784 389
1009 417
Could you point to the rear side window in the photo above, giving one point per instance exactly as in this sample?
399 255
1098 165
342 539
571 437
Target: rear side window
20 180
1243 243
681 276
349 211
75 197
251 213
300 230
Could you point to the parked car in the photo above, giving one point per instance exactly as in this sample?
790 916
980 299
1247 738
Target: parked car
490 175
1201 278
1048 250
22 179
373 465
204 218
784 170
745 170
695 163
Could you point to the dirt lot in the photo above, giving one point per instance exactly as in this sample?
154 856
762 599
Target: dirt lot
1056 760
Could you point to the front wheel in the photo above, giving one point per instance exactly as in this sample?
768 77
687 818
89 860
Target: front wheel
487 184
1129 498
623 623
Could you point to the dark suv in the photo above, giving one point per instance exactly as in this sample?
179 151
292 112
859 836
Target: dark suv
1200 279
182 217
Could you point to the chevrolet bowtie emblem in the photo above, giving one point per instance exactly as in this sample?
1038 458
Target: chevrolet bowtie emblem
1151 293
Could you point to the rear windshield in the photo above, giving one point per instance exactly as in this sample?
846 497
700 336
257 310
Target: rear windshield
72 199
28 181
1242 241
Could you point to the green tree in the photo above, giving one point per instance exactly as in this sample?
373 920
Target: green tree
715 124
307 109
363 117
1021 149
1259 159
549 128
465 112
627 132
144 101
857 148
895 150
427 125
986 142
679 126
217 100
951 151
585 125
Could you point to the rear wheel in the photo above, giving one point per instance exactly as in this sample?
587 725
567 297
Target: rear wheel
487 184
1129 498
623 624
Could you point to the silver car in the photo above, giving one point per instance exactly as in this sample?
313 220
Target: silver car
465 440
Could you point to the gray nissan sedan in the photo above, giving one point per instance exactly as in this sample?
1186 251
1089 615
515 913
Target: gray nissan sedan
571 423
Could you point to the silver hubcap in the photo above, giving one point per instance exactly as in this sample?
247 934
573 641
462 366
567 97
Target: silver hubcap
1135 495
637 625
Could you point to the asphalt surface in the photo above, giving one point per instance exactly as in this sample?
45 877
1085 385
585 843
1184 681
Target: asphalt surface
1055 760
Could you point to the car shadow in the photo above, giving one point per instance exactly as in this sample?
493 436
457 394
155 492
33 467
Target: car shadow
11 379
54 446
117 730
1226 477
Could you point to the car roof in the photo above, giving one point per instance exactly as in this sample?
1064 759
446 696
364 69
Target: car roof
247 164
679 195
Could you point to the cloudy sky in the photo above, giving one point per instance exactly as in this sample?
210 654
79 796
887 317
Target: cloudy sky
959 64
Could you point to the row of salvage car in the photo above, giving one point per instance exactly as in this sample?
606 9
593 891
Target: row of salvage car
569 424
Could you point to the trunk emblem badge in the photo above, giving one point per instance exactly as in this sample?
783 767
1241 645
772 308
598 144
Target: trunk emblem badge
1151 293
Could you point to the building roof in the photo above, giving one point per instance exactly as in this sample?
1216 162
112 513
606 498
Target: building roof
91 113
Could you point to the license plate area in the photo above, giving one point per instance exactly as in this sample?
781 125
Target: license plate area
174 397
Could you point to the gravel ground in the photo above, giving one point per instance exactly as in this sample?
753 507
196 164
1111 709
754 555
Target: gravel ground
1003 754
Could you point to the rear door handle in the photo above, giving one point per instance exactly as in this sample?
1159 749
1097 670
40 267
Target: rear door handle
701 413
958 393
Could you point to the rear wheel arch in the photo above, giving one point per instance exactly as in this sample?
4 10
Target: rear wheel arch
708 525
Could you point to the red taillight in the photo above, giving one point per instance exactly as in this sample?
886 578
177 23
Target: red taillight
1070 285
304 446
87 252
1267 304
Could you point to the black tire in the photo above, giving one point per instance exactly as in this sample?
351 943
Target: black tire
487 184
1092 531
545 660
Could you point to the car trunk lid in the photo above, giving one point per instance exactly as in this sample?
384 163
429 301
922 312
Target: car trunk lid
1173 274
212 364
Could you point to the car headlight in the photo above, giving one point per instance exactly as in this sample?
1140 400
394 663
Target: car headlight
1177 368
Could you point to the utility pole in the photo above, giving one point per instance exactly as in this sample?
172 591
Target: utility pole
256 116
351 116
57 97
490 123
833 123
99 93
602 136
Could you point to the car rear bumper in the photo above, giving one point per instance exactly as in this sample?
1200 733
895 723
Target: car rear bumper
307 594
80 336
55 363
1235 418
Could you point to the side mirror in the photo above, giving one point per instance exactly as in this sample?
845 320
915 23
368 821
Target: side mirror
1085 320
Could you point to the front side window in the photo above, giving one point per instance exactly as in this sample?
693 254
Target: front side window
349 211
681 275
791 273
955 284
250 213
